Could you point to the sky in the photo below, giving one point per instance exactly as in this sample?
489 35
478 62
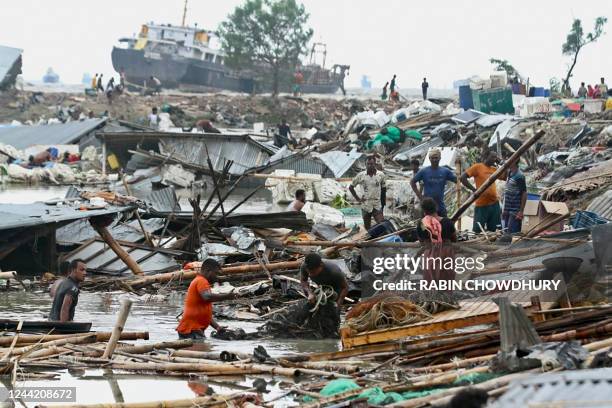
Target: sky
444 40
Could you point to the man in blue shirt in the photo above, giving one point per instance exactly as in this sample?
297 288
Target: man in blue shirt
434 180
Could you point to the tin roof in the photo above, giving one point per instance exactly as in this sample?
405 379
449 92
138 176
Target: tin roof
22 137
35 214
340 162
579 388
8 57
602 205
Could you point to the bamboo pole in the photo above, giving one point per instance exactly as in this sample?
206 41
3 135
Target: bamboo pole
146 348
120 252
493 177
126 306
100 336
89 338
458 188
182 403
190 274
547 225
142 228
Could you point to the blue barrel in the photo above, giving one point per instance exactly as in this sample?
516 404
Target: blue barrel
465 97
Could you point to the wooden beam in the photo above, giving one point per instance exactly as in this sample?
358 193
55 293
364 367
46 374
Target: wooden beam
124 256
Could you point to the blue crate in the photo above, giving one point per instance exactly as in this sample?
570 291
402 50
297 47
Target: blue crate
587 219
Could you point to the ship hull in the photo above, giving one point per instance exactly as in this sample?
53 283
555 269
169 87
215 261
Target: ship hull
176 72
193 75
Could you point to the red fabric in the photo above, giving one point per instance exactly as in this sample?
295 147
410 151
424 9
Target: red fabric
433 226
198 312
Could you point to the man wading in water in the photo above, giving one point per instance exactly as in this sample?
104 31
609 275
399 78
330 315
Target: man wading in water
67 293
198 313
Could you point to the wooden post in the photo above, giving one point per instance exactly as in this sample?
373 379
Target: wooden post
458 187
124 256
142 228
126 305
104 157
530 142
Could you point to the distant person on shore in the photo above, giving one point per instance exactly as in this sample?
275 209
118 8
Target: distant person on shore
434 180
298 203
384 92
39 159
392 85
198 311
156 85
94 82
67 293
122 78
284 133
590 92
100 85
154 118
206 126
111 84
424 87
604 88
374 196
582 91
298 80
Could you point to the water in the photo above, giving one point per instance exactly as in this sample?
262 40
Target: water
159 319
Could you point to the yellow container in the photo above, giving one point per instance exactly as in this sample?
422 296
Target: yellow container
112 161
609 104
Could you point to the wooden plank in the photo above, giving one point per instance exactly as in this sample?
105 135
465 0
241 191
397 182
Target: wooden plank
396 333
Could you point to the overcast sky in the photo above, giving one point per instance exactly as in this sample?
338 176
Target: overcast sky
444 40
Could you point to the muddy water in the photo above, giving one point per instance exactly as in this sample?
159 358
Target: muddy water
157 316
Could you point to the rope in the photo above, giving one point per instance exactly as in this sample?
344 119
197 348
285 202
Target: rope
322 294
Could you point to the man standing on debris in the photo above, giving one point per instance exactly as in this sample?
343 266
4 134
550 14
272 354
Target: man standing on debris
603 88
153 118
94 82
323 273
384 92
284 131
67 293
434 180
298 203
487 213
515 197
100 85
424 87
392 86
156 84
198 312
582 91
374 192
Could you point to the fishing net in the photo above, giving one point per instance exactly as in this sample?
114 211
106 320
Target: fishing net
388 310
320 320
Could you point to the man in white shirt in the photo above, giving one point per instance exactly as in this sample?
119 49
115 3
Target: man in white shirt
374 193
153 119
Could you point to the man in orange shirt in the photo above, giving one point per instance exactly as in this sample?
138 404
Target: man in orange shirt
198 313
488 211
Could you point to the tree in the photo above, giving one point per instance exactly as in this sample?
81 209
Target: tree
269 33
576 40
504 65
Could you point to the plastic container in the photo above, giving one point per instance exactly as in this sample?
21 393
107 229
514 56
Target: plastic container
113 162
587 219
531 196
498 100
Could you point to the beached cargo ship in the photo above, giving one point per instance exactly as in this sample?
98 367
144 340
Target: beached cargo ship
191 58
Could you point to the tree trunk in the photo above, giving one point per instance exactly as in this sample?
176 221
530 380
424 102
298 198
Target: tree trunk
569 72
275 76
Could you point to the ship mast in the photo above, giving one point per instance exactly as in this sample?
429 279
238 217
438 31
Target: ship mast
185 13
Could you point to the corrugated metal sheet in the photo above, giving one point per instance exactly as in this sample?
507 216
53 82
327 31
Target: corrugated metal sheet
29 215
80 231
595 177
340 162
163 200
300 164
579 388
243 151
419 150
602 205
8 58
101 259
22 137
